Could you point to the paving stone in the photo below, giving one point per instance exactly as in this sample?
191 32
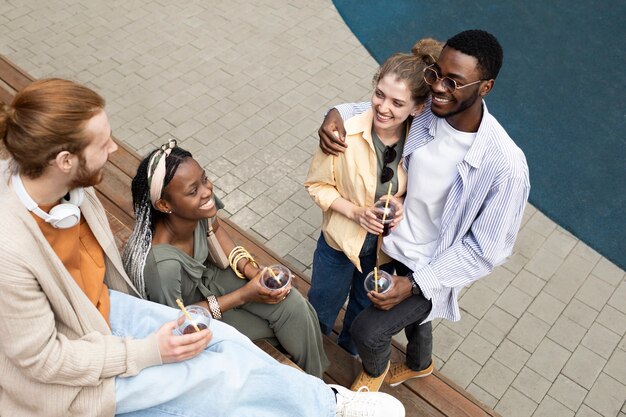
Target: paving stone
547 308
482 395
478 299
515 404
544 264
494 378
529 283
477 348
528 332
464 326
608 271
583 250
618 300
584 366
585 411
253 187
499 279
616 367
531 384
541 224
289 210
601 340
613 319
548 359
299 230
235 201
269 225
607 396
528 242
445 342
567 392
304 251
595 292
567 333
581 313
245 218
282 243
263 205
495 325
460 368
313 216
550 407
568 279
511 355
516 262
514 301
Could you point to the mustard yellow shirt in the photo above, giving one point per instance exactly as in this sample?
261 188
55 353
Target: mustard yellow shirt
351 175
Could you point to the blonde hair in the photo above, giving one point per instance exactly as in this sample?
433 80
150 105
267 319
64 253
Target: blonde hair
410 67
47 117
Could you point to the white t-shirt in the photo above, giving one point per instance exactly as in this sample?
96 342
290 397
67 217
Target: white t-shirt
432 172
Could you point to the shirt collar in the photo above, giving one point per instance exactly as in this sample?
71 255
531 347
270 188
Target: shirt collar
424 129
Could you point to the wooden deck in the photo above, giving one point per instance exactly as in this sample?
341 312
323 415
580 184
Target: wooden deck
435 395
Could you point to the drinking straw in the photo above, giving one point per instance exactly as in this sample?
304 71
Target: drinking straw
182 307
387 203
376 279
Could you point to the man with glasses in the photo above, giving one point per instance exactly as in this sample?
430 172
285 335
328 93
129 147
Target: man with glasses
467 188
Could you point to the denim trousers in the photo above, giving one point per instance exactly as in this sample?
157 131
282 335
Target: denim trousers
335 278
373 329
231 377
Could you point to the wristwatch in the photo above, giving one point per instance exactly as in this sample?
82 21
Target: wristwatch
415 288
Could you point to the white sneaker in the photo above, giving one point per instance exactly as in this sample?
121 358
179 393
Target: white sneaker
363 403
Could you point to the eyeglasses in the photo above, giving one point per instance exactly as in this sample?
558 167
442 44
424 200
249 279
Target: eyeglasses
431 76
388 156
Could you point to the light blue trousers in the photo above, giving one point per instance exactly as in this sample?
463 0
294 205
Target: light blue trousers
232 377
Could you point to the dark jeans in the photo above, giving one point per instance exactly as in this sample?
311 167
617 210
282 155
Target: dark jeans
373 329
334 278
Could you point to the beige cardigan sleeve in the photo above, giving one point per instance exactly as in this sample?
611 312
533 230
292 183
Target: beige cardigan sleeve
48 329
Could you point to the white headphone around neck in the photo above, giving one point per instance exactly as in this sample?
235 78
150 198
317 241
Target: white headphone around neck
61 216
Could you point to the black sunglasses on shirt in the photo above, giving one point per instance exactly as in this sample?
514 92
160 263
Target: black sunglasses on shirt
388 156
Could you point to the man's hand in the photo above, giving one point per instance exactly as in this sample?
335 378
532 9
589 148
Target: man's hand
332 134
399 291
175 348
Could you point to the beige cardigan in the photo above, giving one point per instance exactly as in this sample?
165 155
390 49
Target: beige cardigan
57 354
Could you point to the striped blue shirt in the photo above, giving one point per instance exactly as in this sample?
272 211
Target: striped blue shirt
482 213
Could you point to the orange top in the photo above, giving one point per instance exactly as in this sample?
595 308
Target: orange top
83 257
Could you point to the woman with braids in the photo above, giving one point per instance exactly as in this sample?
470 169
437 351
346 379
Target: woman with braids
346 187
168 257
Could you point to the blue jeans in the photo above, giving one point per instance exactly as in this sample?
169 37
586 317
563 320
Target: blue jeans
232 377
334 278
374 328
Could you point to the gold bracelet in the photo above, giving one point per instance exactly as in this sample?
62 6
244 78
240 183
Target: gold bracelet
237 254
214 307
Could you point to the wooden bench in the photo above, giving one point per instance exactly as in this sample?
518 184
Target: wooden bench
435 395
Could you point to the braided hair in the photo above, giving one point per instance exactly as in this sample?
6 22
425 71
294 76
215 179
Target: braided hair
146 216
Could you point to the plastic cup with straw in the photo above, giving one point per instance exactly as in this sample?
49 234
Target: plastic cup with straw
186 313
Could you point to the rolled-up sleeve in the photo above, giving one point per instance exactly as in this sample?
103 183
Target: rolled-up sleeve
320 181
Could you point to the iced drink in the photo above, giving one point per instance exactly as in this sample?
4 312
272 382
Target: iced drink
388 213
275 277
382 286
200 317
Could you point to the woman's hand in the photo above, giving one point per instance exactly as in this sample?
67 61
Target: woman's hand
367 219
332 134
175 348
255 292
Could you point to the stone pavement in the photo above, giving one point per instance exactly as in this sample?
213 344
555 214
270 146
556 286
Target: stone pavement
244 85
